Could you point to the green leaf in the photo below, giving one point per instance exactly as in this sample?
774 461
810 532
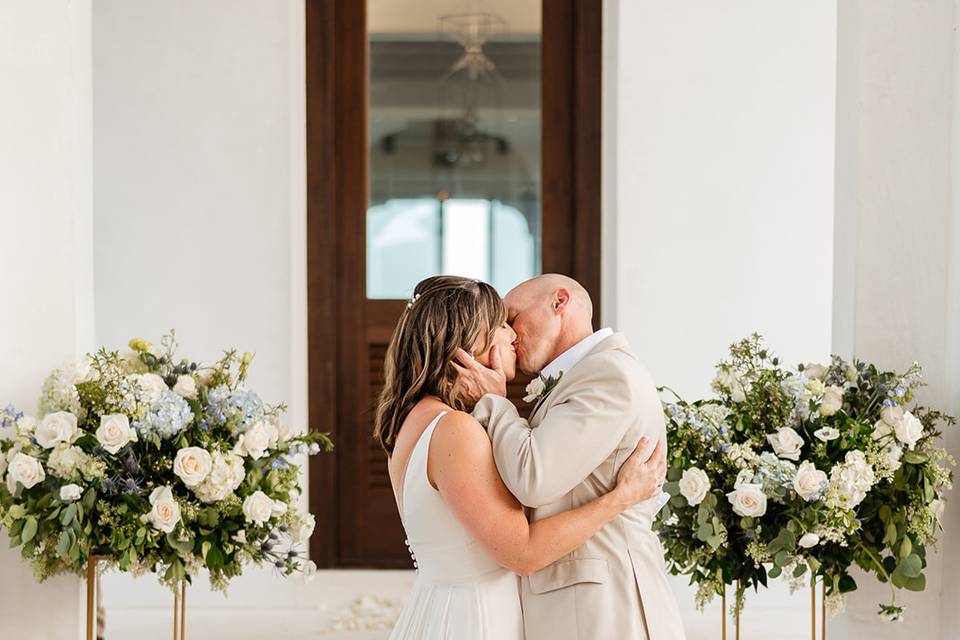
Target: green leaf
89 498
774 571
781 559
16 528
915 457
814 564
674 474
714 542
63 544
885 514
69 514
846 584
705 532
746 522
891 535
673 488
799 570
916 584
29 529
905 547
215 558
911 566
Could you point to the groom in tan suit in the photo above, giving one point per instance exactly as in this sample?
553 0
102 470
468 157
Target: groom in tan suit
594 400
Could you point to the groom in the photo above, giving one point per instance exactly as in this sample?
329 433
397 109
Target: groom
594 400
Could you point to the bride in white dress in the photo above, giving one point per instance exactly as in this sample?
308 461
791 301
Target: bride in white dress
468 535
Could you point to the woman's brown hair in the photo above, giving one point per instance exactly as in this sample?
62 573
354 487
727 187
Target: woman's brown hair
446 312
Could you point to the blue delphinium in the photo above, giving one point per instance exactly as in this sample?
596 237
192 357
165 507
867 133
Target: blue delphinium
9 417
167 417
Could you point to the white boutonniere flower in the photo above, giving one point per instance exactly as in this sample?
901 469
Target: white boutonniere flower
540 387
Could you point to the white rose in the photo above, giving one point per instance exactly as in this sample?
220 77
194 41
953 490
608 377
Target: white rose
881 430
694 485
26 470
814 370
809 482
279 507
192 465
165 512
114 432
152 385
891 414
786 443
257 439
70 493
748 500
64 459
258 508
301 533
186 387
909 429
535 389
826 434
56 427
832 401
809 540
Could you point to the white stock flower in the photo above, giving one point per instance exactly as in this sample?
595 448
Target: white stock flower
186 387
258 439
535 389
744 477
115 432
192 465
64 460
832 401
748 500
786 443
304 529
26 425
891 414
908 430
55 428
826 434
165 512
694 485
809 540
810 482
814 370
70 493
258 508
26 470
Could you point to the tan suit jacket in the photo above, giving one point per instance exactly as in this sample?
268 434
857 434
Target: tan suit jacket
614 586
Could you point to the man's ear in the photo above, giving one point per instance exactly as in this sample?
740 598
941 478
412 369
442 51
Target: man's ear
561 298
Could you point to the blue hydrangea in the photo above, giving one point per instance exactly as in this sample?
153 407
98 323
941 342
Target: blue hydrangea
167 417
243 406
9 417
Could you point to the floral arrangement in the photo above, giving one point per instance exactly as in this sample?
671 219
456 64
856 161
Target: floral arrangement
155 465
803 473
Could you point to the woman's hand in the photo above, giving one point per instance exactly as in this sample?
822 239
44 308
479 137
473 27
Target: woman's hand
642 474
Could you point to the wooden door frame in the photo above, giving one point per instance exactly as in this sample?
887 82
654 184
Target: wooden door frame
336 156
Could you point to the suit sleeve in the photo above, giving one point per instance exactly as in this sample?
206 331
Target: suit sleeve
575 436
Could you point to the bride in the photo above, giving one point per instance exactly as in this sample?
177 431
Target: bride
469 537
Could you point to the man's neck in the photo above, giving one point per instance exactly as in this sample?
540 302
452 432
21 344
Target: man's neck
570 340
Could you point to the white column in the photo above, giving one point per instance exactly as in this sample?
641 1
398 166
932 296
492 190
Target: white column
718 202
46 265
897 290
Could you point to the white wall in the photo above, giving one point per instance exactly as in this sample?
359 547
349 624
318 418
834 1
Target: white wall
199 143
898 123
46 266
719 188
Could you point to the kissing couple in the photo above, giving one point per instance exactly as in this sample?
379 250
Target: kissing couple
539 528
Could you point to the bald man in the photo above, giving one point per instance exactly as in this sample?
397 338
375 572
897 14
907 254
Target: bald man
593 401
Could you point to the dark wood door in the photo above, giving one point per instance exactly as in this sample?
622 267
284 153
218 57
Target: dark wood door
350 491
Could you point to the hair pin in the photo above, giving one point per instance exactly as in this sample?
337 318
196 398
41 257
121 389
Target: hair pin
413 300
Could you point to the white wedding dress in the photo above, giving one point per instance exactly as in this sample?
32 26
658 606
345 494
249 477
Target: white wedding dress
460 592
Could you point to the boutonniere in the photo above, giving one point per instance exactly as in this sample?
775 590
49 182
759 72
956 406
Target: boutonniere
540 387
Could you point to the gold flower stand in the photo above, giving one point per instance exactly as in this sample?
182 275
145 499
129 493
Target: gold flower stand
813 612
179 603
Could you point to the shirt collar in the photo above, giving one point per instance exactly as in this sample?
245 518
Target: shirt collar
569 358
